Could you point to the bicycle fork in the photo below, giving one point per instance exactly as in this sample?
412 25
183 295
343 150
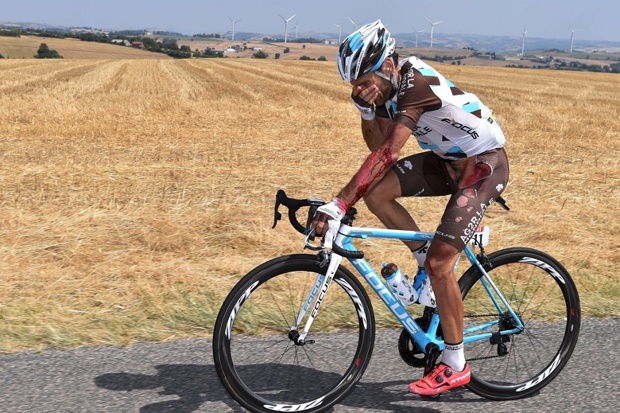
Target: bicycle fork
314 300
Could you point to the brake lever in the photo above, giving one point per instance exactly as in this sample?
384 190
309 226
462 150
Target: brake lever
277 216
309 245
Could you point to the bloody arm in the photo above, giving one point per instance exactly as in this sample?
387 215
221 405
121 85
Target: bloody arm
376 164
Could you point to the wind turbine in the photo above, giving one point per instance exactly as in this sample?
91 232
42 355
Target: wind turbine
572 35
233 24
433 28
296 32
339 31
286 26
353 23
416 36
524 34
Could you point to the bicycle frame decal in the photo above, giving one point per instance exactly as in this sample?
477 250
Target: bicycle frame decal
359 232
235 310
329 276
376 283
319 300
315 288
386 295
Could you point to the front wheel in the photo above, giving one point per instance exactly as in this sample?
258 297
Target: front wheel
257 356
544 299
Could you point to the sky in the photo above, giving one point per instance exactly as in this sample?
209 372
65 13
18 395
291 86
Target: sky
591 20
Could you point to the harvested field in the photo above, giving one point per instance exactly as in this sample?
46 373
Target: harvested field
134 193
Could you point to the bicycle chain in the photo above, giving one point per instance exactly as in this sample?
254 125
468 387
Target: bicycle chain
480 315
414 356
482 358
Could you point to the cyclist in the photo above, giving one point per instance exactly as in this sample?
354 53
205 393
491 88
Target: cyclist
465 161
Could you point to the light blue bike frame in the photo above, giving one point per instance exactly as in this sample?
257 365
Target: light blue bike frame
345 240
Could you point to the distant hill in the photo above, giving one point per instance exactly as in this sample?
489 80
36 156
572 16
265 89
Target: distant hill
497 44
450 49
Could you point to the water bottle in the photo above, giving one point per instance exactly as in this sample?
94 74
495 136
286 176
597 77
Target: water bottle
399 284
424 290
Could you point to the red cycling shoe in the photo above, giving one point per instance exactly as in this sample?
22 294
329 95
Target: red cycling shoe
441 379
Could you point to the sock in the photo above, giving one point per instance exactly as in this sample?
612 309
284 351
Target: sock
454 356
420 254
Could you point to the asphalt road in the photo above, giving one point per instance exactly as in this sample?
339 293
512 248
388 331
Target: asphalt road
179 377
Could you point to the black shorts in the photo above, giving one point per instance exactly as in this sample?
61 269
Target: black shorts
426 174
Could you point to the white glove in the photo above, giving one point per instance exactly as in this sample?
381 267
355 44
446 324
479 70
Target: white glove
334 210
367 110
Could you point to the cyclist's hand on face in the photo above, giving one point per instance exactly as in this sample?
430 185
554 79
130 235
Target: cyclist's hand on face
326 220
363 98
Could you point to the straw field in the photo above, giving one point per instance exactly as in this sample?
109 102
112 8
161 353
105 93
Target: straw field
135 193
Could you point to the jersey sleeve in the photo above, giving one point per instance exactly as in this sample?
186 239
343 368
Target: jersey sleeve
415 96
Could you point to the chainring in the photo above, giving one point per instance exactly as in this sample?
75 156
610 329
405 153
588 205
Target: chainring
409 350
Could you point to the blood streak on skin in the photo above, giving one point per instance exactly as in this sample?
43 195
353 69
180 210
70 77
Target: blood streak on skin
372 170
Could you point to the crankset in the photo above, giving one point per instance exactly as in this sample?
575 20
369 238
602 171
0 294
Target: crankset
408 349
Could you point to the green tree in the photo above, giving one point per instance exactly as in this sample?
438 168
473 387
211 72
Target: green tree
151 44
170 44
44 52
260 55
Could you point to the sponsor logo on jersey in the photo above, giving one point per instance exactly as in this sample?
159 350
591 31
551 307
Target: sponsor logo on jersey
406 81
467 129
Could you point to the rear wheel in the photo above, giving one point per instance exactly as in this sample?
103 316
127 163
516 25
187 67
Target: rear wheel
257 356
545 300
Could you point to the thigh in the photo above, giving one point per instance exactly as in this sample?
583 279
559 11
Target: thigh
423 174
467 206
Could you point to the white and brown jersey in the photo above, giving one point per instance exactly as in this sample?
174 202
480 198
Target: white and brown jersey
444 119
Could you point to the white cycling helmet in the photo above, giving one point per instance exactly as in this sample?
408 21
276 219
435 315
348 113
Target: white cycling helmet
364 51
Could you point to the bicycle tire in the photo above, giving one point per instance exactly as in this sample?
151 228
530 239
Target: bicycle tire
262 368
544 296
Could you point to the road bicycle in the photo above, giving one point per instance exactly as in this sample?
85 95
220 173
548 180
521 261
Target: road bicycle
297 332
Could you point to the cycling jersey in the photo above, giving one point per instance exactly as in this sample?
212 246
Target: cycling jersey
450 122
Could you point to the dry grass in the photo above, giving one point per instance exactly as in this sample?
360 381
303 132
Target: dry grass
133 194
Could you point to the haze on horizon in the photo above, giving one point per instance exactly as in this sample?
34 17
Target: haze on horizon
595 20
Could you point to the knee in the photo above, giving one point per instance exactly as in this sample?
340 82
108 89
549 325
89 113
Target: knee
440 260
377 197
373 200
438 268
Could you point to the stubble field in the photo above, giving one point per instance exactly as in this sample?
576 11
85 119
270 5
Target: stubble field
135 193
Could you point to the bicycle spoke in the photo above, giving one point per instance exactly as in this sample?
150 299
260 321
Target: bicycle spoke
514 365
268 363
